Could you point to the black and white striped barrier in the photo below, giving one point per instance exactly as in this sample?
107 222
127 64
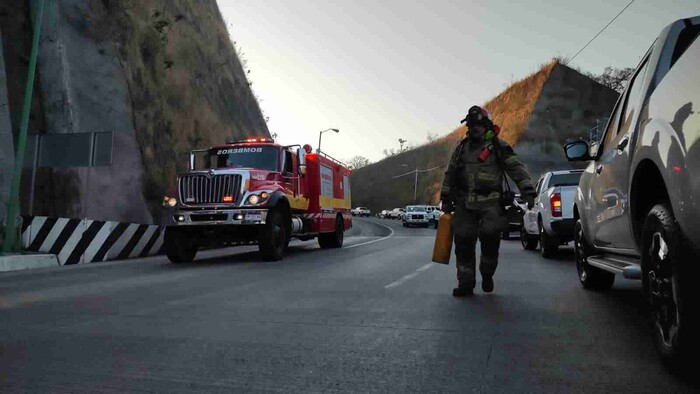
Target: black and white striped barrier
78 241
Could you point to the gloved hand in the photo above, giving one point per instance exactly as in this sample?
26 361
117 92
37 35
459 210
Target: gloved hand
530 201
448 206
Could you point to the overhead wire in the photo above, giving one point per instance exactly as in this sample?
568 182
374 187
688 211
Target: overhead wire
602 30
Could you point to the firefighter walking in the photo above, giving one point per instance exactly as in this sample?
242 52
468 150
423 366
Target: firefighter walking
473 189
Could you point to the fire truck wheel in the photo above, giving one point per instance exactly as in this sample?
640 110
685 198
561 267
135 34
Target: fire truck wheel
334 239
179 248
273 237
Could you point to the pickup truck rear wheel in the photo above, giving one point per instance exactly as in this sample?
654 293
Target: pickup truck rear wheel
335 239
179 248
549 246
528 241
592 278
668 267
273 237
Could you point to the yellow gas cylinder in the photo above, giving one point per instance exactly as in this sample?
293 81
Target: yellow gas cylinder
443 240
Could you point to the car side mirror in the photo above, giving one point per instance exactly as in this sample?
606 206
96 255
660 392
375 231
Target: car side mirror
577 151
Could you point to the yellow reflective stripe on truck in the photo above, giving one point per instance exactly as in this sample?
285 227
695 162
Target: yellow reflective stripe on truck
330 202
298 202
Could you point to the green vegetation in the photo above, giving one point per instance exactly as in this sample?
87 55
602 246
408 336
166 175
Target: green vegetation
187 86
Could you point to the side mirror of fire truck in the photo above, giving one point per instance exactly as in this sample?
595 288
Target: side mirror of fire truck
193 154
301 155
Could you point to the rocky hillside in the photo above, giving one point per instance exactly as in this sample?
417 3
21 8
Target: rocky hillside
537 115
161 75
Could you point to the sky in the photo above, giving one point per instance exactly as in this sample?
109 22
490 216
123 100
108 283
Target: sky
383 70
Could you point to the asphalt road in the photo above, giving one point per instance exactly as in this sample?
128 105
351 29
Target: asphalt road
375 316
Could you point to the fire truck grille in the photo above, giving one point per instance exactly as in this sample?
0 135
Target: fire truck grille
202 189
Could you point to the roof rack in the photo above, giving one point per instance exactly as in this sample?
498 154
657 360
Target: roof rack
331 158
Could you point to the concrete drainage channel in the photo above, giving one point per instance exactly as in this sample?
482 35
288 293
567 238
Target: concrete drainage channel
49 242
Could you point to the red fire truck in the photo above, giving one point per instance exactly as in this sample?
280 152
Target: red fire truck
257 192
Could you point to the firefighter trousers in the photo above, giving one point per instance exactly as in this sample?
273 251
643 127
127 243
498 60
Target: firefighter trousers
471 224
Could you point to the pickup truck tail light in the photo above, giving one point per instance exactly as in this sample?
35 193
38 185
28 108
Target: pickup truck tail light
555 203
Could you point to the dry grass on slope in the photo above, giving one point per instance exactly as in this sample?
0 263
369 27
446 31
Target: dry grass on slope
511 109
374 187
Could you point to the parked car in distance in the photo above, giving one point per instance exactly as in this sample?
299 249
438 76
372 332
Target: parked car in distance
514 213
551 221
416 215
360 211
384 213
396 213
636 208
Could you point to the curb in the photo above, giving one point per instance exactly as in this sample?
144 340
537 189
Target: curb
16 262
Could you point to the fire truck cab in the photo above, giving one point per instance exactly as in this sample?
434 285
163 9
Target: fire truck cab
257 192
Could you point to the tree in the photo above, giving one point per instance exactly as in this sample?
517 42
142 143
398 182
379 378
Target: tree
389 152
357 162
431 137
614 78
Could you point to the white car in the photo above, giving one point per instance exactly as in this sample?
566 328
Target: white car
396 213
360 211
416 215
551 221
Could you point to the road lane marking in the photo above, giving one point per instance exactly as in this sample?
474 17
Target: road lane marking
408 277
373 241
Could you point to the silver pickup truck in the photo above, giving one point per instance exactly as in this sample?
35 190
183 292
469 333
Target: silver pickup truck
551 221
637 207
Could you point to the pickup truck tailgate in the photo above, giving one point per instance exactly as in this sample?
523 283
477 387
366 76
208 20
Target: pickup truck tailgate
568 193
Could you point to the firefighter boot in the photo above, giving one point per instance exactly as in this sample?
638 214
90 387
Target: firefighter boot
487 284
462 291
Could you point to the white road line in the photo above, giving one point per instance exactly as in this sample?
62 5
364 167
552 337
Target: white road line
408 277
373 241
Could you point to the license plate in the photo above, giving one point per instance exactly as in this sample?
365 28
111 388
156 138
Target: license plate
253 217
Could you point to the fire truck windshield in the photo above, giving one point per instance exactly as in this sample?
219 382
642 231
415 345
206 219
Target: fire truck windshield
258 157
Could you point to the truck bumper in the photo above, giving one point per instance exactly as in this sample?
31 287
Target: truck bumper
563 229
416 221
220 217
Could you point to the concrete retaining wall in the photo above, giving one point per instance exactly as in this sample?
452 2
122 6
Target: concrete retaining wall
566 109
79 241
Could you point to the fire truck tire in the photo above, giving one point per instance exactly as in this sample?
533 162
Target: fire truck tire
273 239
335 239
179 248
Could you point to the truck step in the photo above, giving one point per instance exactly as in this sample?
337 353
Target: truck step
629 267
632 272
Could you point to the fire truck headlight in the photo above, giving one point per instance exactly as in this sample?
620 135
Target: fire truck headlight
253 199
172 201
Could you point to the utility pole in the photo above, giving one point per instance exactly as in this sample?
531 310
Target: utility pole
13 203
401 142
415 182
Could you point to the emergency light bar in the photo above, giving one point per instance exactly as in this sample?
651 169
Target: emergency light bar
265 140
